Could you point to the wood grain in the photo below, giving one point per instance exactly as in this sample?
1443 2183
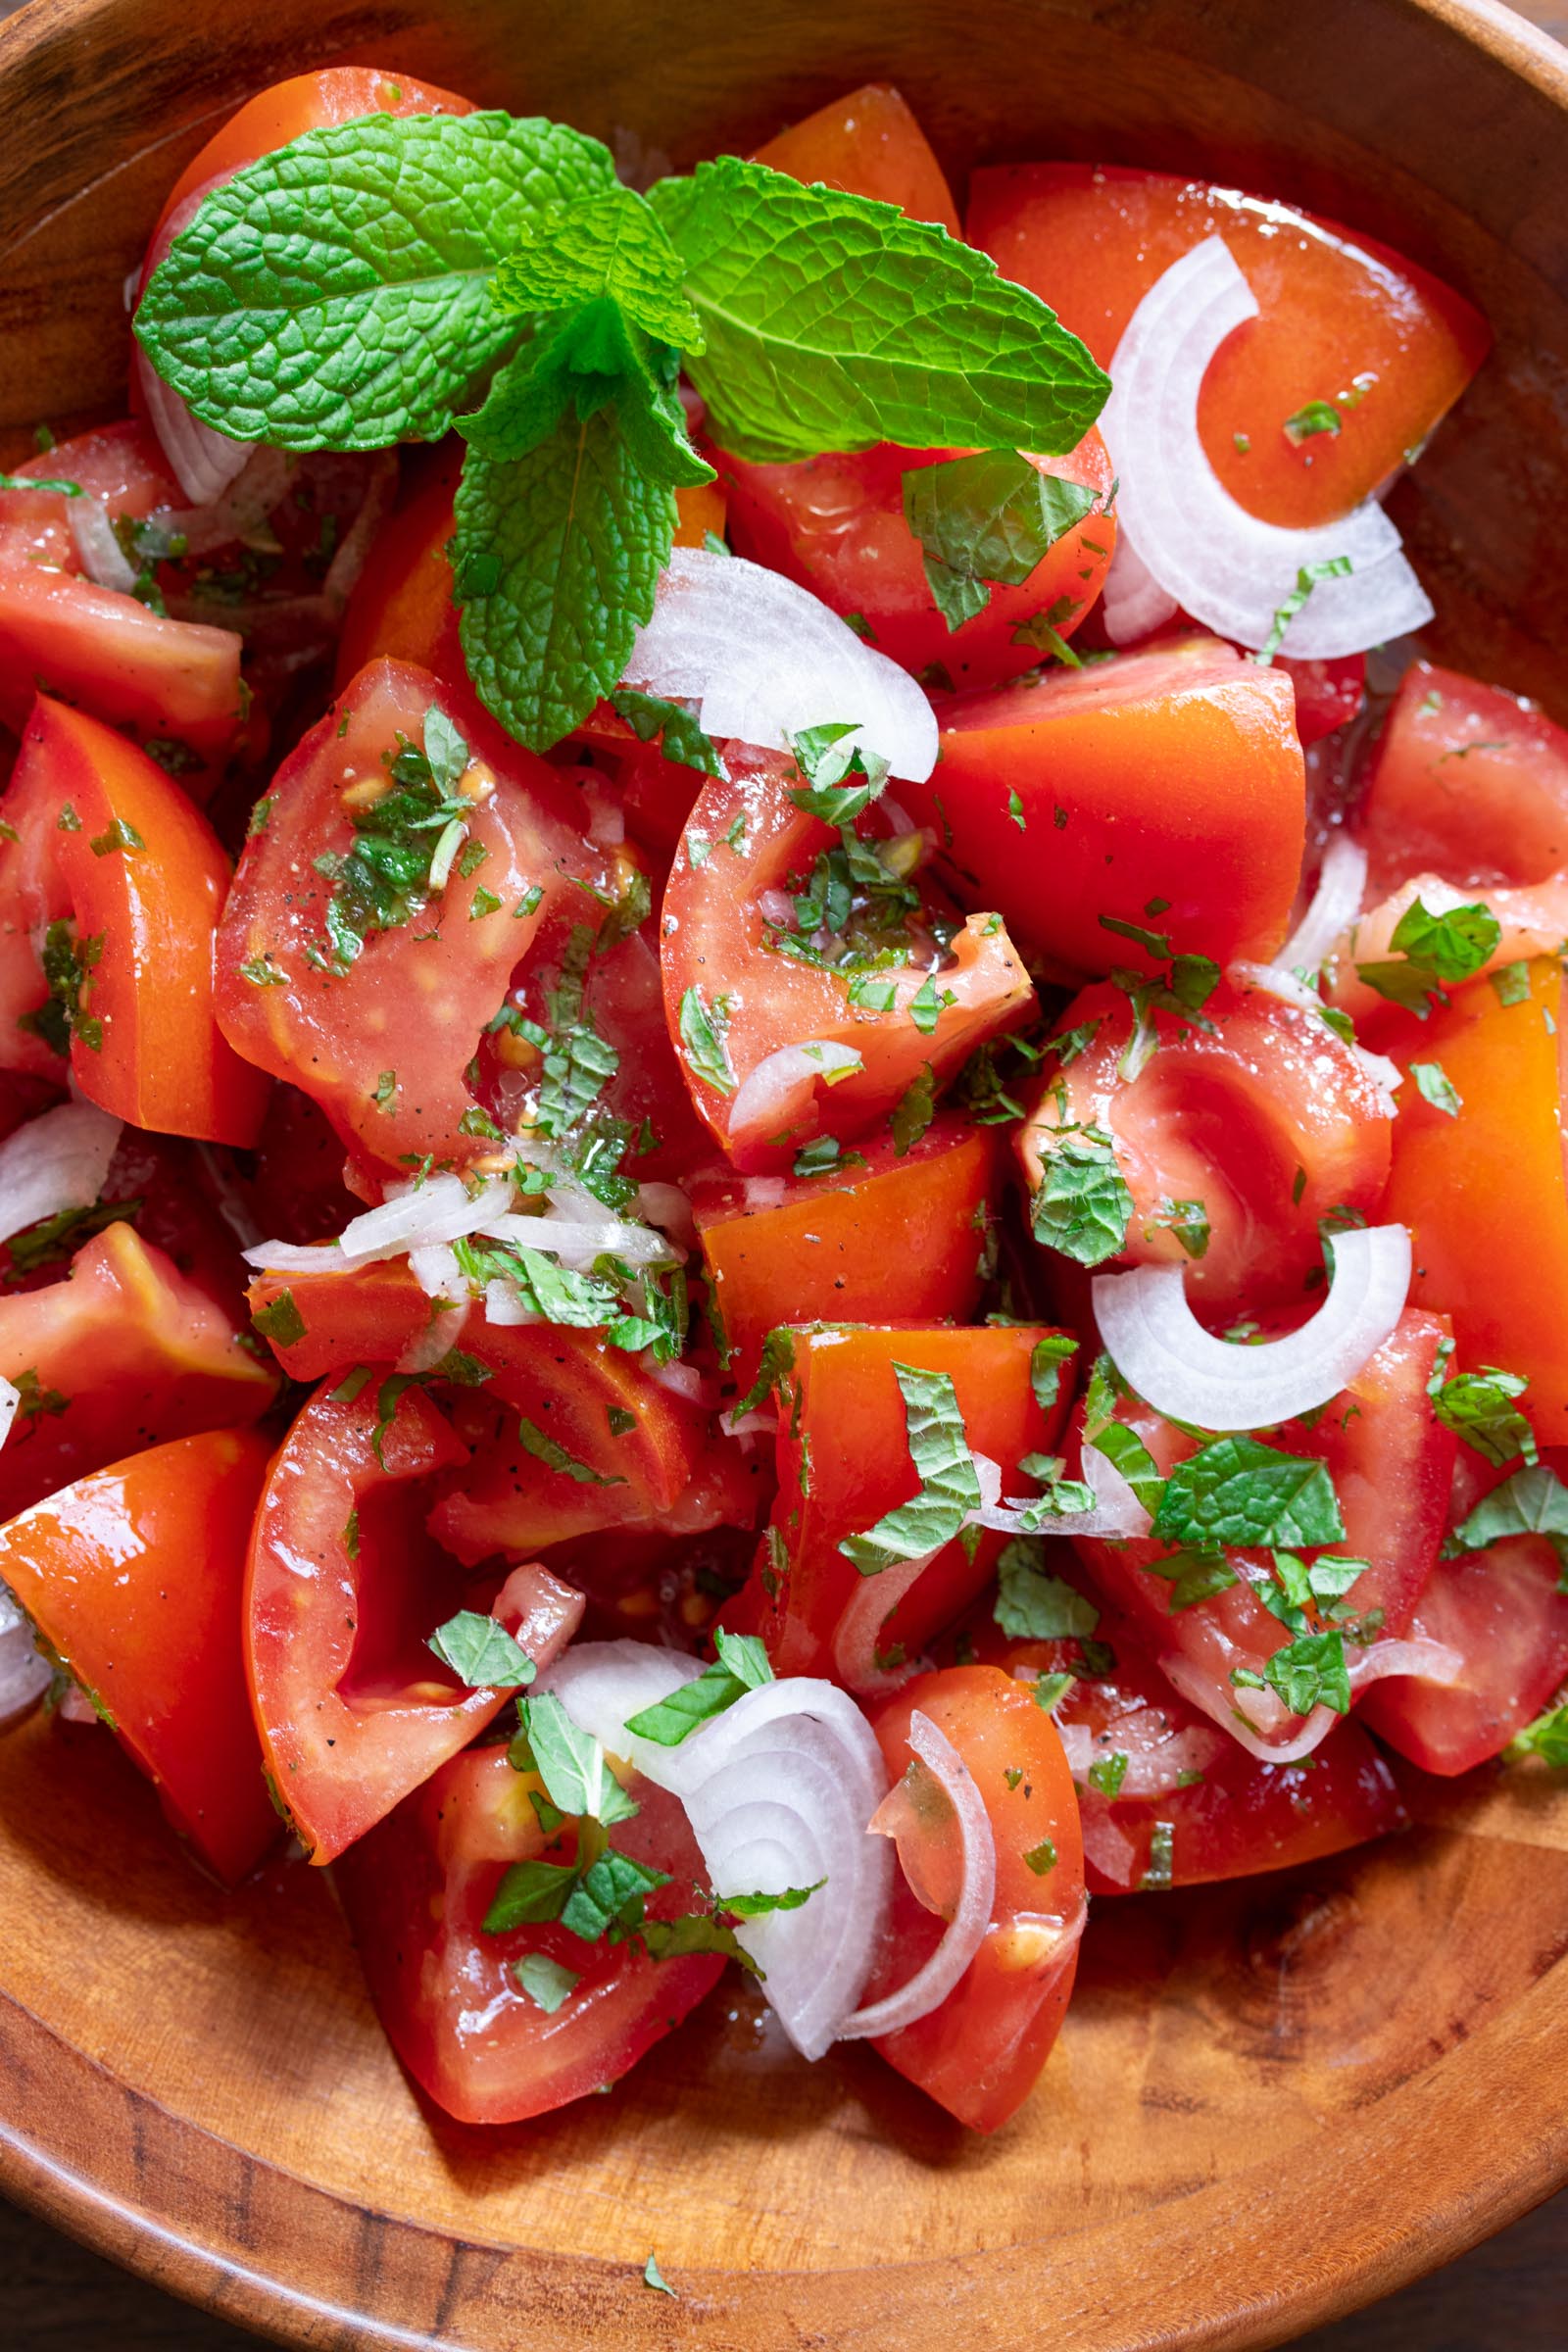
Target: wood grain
1272 2101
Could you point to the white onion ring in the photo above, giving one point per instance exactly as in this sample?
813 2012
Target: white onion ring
1131 602
57 1162
434 1267
780 1091
23 1675
1417 1657
1223 566
1180 1369
1336 903
764 660
865 1612
103 558
965 1931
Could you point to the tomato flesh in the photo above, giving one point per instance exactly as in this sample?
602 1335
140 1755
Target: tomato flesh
869 144
1470 782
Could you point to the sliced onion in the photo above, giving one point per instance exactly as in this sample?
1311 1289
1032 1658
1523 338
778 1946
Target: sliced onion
435 1268
602 1684
763 659
1117 1513
1419 1656
1132 601
580 1241
965 1931
780 1091
237 516
1336 903
1258 1719
438 1337
9 1399
103 558
1180 1369
23 1675
343 572
442 1209
857 1635
57 1162
1223 566
667 1206
685 1381
203 461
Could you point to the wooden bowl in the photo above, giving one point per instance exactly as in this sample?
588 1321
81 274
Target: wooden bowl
1273 2102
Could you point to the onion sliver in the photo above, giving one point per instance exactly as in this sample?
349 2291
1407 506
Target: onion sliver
1383 1076
442 1209
23 1673
866 1611
763 659
778 1092
1336 903
602 1684
965 1931
1163 1353
1131 602
237 514
1223 566
103 558
57 1162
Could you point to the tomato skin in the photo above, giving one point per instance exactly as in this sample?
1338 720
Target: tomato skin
1484 1192
844 1461
1505 1611
836 525
110 654
1470 782
869 145
341 1596
296 1188
135 1576
1266 1118
154 903
119 467
139 1355
417 1889
1328 694
1175 775
715 940
1390 1461
898 1240
980 2053
333 1033
366 1315
1240 1818
1334 307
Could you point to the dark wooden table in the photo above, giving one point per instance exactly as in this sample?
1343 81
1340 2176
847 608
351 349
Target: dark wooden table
1509 2296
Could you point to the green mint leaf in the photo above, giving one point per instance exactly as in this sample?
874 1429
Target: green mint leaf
956 597
1238 1491
990 518
546 1983
915 1108
547 1449
337 294
702 1035
280 1321
1512 983
27 481
578 364
481 1653
1310 1672
1033 1606
1479 1408
1045 1359
1534 1502
610 1892
757 1906
529 1894
654 2278
1107 1773
1317 417
556 558
950 1488
1188 1220
1333 567
742 1665
834 323
842 780
610 247
571 1763
673 725
694 1931
1192 1576
778 1363
1083 1205
1545 1738
1439 950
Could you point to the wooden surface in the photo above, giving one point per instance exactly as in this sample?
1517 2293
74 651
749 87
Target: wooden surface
1272 2101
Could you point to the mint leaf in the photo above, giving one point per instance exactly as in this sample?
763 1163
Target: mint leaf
1045 1359
988 518
1033 1606
1310 1672
742 1665
1437 949
481 1653
1333 567
1120 1445
915 1108
1479 1408
950 1489
1236 1491
545 1981
611 1892
610 247
956 597
1545 1738
556 558
337 294
1082 1205
1192 1576
1534 1502
672 724
576 364
529 1893
833 322
757 1906
702 1036
571 1762
549 1451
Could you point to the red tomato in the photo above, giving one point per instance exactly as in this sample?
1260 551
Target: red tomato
844 1462
1254 1126
1173 776
169 1198
118 467
1390 1461
836 525
869 144
105 846
897 1239
1505 1612
164 682
1328 694
416 1890
979 2054
135 1576
724 972
1341 321
125 1353
1191 1805
320 1323
342 1596
1470 782
296 1188
1483 1191
339 1034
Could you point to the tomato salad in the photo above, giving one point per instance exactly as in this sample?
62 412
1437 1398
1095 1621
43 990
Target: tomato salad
780 1131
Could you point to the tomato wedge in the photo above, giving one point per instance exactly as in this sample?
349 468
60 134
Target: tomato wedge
869 144
1241 1130
1344 325
1470 782
417 1889
980 2053
342 1596
124 880
1162 789
125 1353
844 1462
135 1577
163 681
899 1239
904 1011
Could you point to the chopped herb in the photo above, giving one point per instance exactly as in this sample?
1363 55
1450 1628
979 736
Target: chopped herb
1317 417
1032 1605
1082 1205
546 1983
1479 1408
544 1449
1162 1843
1041 1858
702 1034
481 1653
949 1486
1512 983
913 1111
280 1321
1310 575
117 836
742 1665
1107 1773
654 2277
1045 1359
1236 1491
673 725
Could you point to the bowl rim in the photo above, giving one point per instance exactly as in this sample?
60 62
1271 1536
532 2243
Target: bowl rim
115 2172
